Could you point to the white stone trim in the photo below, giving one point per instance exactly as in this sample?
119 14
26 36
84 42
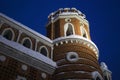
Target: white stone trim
81 40
36 43
105 70
24 67
43 75
20 78
67 20
45 49
18 38
2 58
13 34
25 29
69 54
66 27
96 74
29 40
70 16
52 53
27 56
82 29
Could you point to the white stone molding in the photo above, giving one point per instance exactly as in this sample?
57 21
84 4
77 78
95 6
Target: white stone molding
52 53
96 74
36 43
66 27
24 67
18 38
27 56
83 31
43 75
25 29
67 20
13 34
45 49
69 16
31 44
81 40
72 56
2 58
106 72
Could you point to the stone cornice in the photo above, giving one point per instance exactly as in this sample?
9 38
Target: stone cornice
77 39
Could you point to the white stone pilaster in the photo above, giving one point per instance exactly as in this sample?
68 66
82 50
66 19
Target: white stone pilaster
20 32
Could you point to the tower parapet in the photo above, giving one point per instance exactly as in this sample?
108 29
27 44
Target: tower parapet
67 21
66 11
74 52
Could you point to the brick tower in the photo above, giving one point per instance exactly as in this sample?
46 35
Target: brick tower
74 52
67 54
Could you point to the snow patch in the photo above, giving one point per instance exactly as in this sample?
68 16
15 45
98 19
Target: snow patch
27 51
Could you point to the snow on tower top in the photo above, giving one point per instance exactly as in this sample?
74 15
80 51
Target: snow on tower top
66 11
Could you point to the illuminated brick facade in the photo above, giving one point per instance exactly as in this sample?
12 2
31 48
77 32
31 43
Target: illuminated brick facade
67 54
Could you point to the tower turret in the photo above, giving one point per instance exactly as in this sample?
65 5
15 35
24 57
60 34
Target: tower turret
74 52
65 22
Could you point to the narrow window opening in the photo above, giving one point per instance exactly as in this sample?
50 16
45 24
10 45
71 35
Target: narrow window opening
69 30
84 35
8 34
43 51
72 57
27 43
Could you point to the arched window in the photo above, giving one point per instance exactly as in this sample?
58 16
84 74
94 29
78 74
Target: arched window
83 32
27 42
8 34
43 50
68 29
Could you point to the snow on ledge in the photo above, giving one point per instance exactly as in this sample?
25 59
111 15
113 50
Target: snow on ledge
76 37
72 37
25 27
27 51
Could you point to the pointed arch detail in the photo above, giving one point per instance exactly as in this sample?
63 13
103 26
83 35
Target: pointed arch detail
69 29
9 34
43 50
27 42
83 32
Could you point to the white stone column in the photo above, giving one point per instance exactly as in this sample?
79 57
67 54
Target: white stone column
36 44
52 52
20 32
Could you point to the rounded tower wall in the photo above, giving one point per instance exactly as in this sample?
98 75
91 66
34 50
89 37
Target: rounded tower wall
74 52
83 62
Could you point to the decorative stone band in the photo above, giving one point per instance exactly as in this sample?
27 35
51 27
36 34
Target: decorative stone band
24 29
66 11
27 56
67 15
77 39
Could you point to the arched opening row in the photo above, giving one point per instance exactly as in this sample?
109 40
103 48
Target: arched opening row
69 30
9 34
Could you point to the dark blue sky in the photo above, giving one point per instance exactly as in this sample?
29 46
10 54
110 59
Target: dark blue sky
103 16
